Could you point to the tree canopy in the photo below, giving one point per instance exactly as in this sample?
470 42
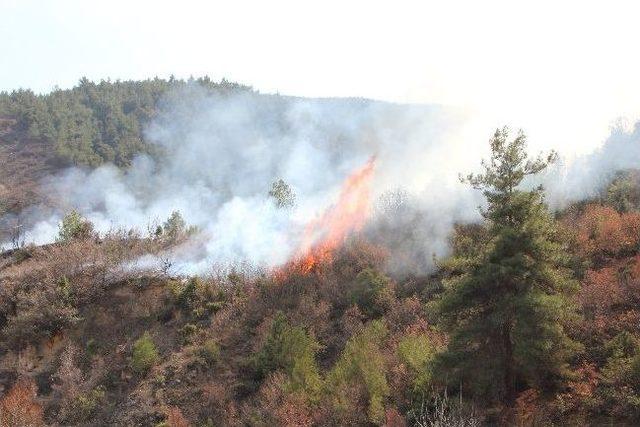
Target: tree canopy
93 123
507 307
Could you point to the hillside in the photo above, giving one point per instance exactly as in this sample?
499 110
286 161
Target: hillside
525 317
355 342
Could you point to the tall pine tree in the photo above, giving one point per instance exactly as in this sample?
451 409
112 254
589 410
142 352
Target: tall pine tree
507 304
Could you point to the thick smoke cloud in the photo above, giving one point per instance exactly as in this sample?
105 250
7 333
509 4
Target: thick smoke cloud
217 155
586 176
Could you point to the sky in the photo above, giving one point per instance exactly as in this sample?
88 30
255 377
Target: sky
563 71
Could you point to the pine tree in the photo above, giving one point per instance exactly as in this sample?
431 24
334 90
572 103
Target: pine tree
506 308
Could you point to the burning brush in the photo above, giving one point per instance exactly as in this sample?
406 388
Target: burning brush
327 233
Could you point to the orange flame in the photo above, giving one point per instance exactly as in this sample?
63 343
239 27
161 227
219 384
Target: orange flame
325 234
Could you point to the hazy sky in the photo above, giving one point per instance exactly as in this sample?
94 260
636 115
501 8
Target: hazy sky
563 70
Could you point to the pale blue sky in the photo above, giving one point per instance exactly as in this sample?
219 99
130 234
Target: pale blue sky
549 66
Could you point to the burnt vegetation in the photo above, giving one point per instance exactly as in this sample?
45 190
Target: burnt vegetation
534 319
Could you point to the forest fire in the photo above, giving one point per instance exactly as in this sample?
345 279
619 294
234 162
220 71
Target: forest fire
325 234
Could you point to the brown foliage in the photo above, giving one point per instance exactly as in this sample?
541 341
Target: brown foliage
40 296
277 406
601 232
394 419
175 418
19 407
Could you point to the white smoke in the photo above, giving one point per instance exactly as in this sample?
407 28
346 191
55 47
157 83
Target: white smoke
585 176
218 154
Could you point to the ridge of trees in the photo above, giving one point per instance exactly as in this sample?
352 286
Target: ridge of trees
93 123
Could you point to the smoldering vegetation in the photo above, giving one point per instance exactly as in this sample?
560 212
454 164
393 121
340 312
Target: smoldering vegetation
214 156
158 303
217 156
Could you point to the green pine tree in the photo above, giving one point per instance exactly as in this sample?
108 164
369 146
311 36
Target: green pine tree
507 304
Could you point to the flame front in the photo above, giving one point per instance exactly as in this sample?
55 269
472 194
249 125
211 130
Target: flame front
325 234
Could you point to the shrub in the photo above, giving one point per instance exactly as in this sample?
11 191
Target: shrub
187 332
175 418
144 354
40 315
361 363
623 191
282 194
417 353
372 293
19 406
210 352
187 295
292 350
175 228
86 404
74 226
197 298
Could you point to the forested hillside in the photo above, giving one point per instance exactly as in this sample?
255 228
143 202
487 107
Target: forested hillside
88 125
533 318
94 123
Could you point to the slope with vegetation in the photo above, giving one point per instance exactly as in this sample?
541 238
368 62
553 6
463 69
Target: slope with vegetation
533 320
94 123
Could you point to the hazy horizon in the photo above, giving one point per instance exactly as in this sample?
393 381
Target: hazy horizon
565 73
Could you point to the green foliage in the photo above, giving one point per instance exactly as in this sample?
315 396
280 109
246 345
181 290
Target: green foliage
292 350
86 404
507 305
372 293
623 357
74 226
187 296
619 387
623 193
175 226
92 347
210 352
188 331
65 289
144 355
197 298
417 353
282 194
94 123
361 364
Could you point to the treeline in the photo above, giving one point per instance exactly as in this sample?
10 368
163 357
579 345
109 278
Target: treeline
94 123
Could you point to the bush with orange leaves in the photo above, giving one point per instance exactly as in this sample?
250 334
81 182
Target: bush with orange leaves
278 405
175 418
602 233
609 300
19 407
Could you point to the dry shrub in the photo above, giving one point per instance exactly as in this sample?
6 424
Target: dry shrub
404 313
602 232
19 406
527 410
175 418
219 401
601 290
394 419
444 411
277 406
79 394
41 296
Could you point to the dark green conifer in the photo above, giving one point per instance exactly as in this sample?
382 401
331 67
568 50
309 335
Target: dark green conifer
507 307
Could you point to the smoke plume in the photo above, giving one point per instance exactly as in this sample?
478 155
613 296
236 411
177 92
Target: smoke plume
218 155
